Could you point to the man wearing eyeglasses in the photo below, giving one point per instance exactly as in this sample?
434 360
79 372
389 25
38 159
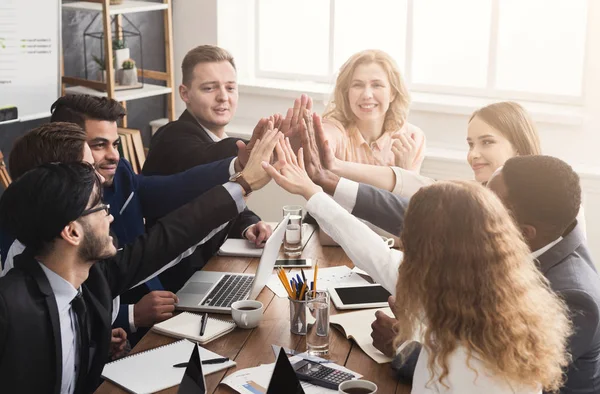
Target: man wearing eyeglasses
56 303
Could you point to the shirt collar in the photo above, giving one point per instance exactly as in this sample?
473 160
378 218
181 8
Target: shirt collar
64 292
542 250
212 135
379 143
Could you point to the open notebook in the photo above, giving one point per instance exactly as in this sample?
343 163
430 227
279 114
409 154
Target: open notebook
187 325
357 325
152 370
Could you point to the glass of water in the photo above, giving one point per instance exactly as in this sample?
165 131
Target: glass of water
292 245
317 335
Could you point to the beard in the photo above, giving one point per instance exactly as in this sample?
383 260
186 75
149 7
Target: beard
96 247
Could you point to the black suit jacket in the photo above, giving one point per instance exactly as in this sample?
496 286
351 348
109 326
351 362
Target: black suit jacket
30 342
179 146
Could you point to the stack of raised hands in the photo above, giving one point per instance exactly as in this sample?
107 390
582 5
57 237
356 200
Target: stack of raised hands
304 170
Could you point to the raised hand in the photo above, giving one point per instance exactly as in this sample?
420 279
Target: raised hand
405 151
263 150
312 154
292 177
244 149
290 126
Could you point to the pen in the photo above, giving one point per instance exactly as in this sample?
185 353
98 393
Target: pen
205 362
126 203
203 323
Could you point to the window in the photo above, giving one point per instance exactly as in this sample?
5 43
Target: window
508 49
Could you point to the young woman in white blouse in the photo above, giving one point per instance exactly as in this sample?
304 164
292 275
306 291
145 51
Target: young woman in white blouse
492 324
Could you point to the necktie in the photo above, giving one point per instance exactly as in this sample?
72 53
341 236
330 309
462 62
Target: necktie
79 308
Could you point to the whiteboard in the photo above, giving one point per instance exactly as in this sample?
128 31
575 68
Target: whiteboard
30 56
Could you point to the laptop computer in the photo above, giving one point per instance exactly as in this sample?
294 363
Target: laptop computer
208 291
193 381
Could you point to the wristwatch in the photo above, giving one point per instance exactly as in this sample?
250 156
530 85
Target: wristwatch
239 178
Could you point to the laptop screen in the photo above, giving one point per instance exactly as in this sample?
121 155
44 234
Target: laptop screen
269 256
193 379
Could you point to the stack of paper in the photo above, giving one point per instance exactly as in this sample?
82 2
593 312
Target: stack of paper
256 380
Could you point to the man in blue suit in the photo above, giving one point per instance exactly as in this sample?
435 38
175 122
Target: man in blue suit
133 198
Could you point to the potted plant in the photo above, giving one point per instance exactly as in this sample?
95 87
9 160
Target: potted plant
101 68
128 73
121 52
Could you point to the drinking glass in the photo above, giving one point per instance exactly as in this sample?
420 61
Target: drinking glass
317 336
292 244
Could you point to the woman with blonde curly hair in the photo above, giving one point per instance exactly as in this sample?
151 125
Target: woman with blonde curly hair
366 120
488 319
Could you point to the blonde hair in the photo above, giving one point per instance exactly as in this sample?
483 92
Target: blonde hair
515 123
469 277
339 108
203 54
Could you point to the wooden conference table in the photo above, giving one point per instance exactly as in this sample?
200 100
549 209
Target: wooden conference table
250 348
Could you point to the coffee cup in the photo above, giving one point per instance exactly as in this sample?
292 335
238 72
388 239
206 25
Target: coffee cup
357 387
247 313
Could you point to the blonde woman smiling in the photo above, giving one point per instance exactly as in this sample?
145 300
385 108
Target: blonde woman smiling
366 120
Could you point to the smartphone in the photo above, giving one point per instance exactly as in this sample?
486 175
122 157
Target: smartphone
293 263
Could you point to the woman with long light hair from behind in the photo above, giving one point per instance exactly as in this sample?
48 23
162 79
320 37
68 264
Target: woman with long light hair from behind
490 323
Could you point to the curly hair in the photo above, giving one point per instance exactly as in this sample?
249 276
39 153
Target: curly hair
339 108
543 191
515 123
469 280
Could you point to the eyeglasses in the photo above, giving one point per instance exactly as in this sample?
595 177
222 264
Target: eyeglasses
105 207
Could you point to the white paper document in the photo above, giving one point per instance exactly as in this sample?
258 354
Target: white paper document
327 277
256 380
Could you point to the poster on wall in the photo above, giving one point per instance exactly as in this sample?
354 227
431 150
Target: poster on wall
29 58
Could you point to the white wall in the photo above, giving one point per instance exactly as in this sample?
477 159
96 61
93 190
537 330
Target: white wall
571 133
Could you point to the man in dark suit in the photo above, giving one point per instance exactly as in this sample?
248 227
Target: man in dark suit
209 90
56 303
544 195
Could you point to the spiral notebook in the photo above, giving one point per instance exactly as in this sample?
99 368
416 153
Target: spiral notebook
187 325
152 370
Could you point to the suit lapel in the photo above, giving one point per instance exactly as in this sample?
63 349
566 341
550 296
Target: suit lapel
186 116
561 250
27 262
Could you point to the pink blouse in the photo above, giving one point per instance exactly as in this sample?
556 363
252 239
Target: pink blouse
349 145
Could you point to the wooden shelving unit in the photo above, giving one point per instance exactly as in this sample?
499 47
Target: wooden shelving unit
107 89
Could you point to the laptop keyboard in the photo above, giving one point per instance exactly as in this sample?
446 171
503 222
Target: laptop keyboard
231 288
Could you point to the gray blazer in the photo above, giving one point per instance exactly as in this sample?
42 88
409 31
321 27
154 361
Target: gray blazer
379 207
572 274
567 265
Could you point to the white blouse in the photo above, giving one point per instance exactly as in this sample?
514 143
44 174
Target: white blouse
463 378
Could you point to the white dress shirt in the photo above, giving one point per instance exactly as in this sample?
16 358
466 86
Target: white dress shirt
363 246
463 378
64 293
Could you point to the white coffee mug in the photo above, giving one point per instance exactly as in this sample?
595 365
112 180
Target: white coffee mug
356 384
247 314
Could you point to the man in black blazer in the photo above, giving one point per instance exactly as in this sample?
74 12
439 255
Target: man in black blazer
209 89
56 303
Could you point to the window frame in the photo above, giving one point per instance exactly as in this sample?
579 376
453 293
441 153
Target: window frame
488 92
